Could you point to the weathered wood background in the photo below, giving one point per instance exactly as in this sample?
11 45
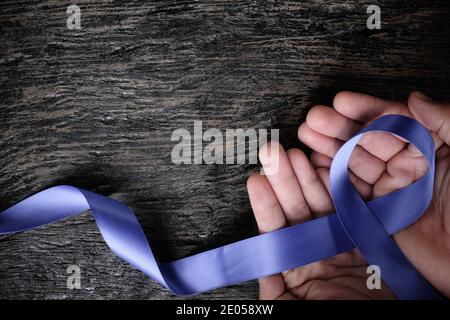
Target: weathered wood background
96 108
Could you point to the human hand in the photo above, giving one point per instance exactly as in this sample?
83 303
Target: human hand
380 165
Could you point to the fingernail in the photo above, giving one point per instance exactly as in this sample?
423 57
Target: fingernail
421 96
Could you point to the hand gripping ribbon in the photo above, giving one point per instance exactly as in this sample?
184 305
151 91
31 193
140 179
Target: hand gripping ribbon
367 226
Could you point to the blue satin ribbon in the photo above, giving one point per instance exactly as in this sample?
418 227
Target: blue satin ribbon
356 224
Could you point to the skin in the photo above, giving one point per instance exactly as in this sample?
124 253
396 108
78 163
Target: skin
382 163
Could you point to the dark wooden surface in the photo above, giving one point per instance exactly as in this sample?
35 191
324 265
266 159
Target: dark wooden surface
96 107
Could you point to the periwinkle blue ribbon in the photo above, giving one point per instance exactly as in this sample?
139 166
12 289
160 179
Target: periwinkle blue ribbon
356 224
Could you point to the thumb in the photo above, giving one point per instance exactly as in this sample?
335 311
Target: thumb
435 116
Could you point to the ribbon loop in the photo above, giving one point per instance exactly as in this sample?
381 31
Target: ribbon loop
362 226
366 226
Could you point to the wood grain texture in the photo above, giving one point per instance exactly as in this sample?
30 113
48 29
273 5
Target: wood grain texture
96 108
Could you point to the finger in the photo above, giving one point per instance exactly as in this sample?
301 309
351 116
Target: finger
365 108
284 183
331 123
364 189
314 192
362 163
318 142
319 160
434 116
366 166
403 169
268 212
442 165
269 216
382 145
